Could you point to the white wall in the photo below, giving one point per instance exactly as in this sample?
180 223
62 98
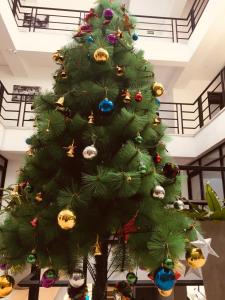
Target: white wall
15 162
160 8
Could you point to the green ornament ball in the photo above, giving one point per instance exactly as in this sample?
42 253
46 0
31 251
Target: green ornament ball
31 258
142 169
168 263
131 278
138 139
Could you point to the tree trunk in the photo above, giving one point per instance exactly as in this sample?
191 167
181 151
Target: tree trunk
101 265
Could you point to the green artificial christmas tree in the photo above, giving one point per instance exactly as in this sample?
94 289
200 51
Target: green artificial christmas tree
97 181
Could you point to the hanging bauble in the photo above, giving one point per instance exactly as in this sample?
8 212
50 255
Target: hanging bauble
157 102
89 152
101 55
4 266
28 188
157 158
62 74
126 95
49 278
60 102
106 105
178 205
138 96
135 36
124 288
138 139
77 278
34 222
156 120
195 258
119 33
66 219
164 279
157 89
90 15
119 71
112 38
158 192
165 293
70 150
97 247
86 28
77 293
168 263
142 168
58 58
171 170
90 39
131 278
31 258
39 197
91 118
108 14
117 295
6 285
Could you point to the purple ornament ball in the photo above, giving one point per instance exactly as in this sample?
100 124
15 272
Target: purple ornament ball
108 14
112 38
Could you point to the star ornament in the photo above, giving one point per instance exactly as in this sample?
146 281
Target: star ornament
204 245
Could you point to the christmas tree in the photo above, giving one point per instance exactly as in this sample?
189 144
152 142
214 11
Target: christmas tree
97 182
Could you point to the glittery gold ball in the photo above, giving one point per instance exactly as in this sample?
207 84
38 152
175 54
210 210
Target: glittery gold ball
158 89
195 258
165 293
66 219
6 285
101 55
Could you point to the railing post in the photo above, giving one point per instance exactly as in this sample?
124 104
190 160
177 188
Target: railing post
34 289
200 112
1 95
222 76
192 15
14 7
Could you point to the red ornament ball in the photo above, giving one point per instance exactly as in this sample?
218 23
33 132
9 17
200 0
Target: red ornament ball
138 96
171 170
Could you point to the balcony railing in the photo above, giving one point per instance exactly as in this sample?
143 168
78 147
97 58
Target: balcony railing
179 117
36 18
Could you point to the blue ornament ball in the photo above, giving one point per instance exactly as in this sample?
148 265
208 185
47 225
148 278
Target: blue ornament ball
157 102
106 105
135 36
90 39
164 279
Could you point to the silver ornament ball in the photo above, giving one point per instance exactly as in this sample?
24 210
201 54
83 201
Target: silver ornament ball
178 205
77 279
90 152
158 192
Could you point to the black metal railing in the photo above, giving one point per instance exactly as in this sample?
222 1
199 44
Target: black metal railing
180 118
189 117
196 178
15 112
32 281
36 18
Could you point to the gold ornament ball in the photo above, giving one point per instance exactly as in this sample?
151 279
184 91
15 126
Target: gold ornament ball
66 219
101 55
195 258
158 89
165 293
6 285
